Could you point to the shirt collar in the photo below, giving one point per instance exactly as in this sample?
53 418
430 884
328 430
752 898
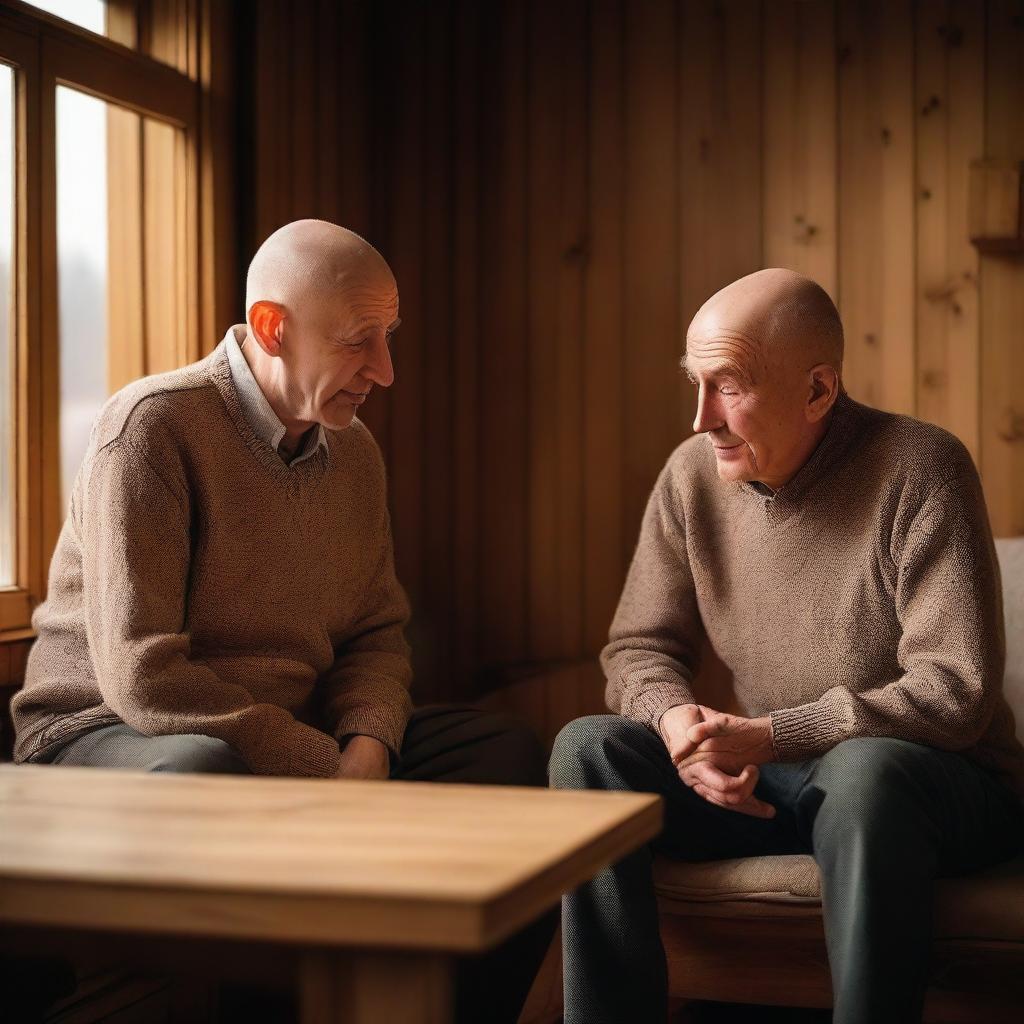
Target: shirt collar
257 410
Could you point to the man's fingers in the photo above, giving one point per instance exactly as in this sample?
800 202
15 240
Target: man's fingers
714 778
751 805
715 724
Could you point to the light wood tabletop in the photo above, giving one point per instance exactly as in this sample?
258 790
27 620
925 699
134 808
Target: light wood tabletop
392 869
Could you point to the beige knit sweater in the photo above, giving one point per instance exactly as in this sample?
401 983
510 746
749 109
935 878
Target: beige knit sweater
200 585
863 599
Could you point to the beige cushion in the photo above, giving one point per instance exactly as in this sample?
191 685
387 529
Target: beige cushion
986 905
1010 551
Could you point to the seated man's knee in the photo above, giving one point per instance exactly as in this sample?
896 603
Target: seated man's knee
197 754
868 784
581 749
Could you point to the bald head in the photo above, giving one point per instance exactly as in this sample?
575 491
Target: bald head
777 317
765 353
312 261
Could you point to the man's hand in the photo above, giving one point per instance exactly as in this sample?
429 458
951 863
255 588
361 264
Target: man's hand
688 730
729 742
364 757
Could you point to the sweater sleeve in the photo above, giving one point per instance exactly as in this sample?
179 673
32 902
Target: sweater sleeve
654 641
952 647
366 689
136 545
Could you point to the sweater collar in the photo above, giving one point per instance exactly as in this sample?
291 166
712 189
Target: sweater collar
843 423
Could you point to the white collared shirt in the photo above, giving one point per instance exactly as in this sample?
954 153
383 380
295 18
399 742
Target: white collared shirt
257 410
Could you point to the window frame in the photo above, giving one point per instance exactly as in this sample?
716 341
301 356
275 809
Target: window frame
47 52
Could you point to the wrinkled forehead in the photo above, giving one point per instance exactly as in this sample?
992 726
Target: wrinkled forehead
718 342
353 299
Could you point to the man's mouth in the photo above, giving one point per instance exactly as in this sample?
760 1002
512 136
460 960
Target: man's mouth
355 397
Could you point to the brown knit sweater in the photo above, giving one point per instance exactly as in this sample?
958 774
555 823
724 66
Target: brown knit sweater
862 599
200 585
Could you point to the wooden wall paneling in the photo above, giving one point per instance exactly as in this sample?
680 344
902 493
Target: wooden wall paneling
164 253
467 338
1002 284
877 201
719 111
408 248
651 331
125 296
949 107
347 160
436 416
567 362
503 340
302 114
800 139
603 363
335 52
546 119
219 112
270 98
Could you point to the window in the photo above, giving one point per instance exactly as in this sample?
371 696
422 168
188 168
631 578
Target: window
106 138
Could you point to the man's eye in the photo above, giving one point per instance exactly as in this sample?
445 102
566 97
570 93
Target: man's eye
726 391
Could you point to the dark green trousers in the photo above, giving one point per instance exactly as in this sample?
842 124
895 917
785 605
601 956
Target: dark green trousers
882 817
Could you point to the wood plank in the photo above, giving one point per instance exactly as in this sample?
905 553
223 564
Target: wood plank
719 130
408 247
330 66
949 104
434 663
571 348
877 207
800 139
503 366
545 157
303 115
604 406
447 867
650 256
125 296
466 333
164 252
1002 284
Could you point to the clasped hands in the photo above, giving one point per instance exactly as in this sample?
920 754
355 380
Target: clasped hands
718 755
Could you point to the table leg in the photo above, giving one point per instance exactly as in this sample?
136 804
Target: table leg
368 987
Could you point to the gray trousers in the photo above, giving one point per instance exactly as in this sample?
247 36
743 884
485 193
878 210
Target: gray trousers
442 743
882 817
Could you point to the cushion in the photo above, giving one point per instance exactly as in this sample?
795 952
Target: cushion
1010 551
985 905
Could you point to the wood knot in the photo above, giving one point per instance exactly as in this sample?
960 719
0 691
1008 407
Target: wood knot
1011 426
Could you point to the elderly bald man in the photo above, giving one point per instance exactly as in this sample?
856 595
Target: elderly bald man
222 597
839 559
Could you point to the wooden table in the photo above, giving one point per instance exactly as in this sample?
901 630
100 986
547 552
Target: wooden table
378 884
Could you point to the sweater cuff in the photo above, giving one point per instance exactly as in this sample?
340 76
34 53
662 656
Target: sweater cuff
317 759
382 722
647 706
806 731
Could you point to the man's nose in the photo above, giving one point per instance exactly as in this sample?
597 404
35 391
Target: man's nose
707 417
379 368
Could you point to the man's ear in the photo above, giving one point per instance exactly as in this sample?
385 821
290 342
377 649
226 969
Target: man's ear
823 391
267 322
